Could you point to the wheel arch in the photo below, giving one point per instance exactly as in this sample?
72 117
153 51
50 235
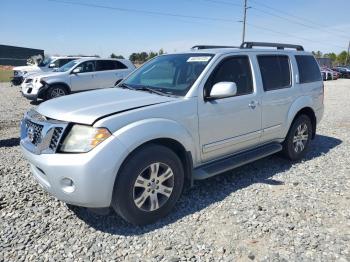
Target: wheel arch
308 111
163 132
65 85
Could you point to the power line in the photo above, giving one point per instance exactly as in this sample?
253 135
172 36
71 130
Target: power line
178 15
294 21
297 22
290 35
295 16
143 11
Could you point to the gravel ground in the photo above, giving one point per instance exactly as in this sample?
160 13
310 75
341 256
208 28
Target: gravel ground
271 210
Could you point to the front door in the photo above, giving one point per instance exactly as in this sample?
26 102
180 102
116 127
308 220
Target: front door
229 125
85 79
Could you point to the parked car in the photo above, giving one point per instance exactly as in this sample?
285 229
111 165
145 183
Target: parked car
343 71
329 74
326 74
47 65
178 118
76 76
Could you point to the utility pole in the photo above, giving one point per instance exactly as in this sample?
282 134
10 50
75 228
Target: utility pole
244 20
347 55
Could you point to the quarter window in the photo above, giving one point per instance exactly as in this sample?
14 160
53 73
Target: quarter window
275 71
119 65
308 68
233 69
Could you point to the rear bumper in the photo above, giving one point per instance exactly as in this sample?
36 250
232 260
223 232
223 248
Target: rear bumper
79 179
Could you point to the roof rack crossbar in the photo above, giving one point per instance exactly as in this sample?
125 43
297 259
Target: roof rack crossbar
277 45
198 47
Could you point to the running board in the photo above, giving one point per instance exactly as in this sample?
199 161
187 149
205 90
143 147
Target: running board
232 162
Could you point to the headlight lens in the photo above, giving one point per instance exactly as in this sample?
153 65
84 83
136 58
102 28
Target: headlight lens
82 139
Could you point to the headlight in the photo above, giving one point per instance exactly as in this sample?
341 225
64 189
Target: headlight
82 139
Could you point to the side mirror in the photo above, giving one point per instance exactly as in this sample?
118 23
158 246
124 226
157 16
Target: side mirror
76 70
223 90
52 65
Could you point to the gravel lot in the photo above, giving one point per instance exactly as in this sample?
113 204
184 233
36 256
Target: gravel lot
271 210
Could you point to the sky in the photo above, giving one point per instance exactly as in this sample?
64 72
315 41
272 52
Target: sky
102 27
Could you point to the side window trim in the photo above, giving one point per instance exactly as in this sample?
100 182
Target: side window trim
290 72
215 69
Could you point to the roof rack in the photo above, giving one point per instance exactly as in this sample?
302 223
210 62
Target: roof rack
277 45
198 47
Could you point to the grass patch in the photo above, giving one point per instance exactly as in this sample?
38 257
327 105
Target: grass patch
5 75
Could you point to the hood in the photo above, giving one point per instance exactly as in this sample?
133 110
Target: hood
87 107
43 74
27 68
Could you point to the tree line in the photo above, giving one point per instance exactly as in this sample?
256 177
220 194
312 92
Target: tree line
337 59
141 57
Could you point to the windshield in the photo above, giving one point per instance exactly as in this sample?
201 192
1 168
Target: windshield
45 62
170 74
67 66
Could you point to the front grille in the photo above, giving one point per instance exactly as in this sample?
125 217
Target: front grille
41 135
55 138
36 135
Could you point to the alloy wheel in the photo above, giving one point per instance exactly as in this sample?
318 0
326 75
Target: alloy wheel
153 187
300 138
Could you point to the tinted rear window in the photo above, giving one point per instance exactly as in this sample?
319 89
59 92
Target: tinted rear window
275 71
308 68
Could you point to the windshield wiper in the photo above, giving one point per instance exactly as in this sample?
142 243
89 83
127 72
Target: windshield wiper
123 85
151 90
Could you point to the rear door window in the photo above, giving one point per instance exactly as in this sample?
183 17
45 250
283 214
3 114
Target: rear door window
308 68
104 65
275 71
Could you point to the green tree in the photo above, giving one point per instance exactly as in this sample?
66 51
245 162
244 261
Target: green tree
161 51
151 55
332 56
341 57
317 54
116 56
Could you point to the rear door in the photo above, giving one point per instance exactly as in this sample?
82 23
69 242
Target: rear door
108 72
279 92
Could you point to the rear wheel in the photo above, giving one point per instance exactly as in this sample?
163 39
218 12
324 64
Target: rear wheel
56 91
149 184
298 139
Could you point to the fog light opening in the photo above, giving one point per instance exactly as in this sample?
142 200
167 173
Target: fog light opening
67 185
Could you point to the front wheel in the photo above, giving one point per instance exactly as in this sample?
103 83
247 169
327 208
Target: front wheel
55 91
298 139
148 185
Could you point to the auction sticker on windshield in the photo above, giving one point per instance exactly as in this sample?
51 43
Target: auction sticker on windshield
199 59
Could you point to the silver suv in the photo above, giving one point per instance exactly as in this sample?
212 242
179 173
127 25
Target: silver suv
178 118
76 76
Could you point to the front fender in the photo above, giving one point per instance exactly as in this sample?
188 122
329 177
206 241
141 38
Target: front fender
137 133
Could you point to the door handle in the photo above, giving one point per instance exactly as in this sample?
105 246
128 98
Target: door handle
253 104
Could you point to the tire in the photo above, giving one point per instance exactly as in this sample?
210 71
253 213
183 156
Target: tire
56 91
131 199
298 139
